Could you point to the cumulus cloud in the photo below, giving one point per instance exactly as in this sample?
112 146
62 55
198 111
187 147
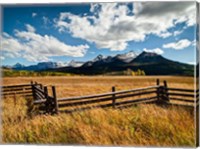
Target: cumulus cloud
34 14
30 28
45 20
36 47
113 25
194 43
192 63
181 44
178 32
165 35
156 50
2 58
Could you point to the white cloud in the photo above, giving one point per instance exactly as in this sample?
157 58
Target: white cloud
194 43
192 63
45 20
113 25
156 50
2 58
178 32
36 47
30 28
34 14
165 35
181 44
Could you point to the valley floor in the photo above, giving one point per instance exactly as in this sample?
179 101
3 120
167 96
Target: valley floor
142 125
86 85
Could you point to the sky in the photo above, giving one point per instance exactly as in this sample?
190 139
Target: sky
80 32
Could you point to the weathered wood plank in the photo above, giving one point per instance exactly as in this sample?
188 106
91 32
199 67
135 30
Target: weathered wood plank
39 95
180 94
136 100
181 90
106 94
17 93
106 99
84 102
100 100
42 101
55 99
113 97
15 89
135 94
95 106
15 86
39 90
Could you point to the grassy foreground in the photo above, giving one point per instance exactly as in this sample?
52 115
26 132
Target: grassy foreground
143 125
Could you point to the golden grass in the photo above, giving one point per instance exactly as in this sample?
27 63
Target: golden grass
142 125
77 86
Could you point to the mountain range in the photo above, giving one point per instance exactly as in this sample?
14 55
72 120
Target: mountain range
150 63
42 66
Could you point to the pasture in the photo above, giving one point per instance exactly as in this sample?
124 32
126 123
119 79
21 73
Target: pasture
141 125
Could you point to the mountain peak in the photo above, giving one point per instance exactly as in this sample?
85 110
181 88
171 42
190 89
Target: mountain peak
149 54
18 65
127 57
74 63
149 57
98 58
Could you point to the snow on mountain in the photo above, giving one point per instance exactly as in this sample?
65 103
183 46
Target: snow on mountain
127 57
75 63
100 59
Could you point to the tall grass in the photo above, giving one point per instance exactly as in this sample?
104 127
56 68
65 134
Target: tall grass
142 125
78 86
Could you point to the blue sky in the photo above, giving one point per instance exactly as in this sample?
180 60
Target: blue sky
80 32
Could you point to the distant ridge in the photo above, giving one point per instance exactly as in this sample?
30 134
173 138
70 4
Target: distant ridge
151 63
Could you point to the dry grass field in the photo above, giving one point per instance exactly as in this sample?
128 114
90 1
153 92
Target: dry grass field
142 125
76 86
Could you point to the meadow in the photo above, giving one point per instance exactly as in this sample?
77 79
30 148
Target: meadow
141 125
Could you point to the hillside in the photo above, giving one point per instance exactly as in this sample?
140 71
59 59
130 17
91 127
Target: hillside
150 63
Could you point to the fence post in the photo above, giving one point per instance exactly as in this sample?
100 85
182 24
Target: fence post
158 89
33 90
113 97
46 92
166 91
41 86
47 104
55 99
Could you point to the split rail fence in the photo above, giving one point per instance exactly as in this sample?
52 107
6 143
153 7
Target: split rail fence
159 94
15 90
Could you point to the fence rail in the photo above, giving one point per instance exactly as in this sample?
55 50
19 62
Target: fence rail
14 90
159 94
184 90
106 94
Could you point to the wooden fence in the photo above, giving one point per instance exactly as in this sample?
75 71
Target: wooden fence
159 94
15 90
42 98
